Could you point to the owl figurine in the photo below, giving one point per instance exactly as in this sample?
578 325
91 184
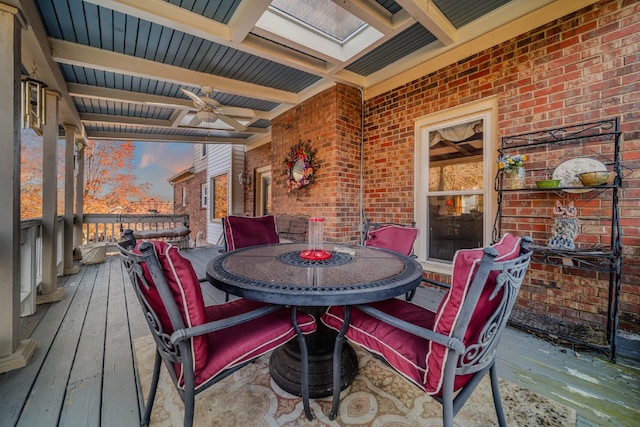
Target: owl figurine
564 227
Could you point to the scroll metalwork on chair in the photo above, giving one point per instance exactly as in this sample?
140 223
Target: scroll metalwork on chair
448 351
201 345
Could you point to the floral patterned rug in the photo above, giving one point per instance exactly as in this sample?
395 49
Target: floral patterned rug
378 397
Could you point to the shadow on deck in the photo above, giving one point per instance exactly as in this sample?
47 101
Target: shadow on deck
83 371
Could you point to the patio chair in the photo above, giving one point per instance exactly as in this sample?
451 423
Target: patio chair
241 231
394 237
451 350
202 345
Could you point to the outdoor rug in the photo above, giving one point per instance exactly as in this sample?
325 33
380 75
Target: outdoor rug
378 397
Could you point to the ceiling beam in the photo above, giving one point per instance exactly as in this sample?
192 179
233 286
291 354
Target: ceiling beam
146 122
244 19
171 16
430 17
156 137
100 59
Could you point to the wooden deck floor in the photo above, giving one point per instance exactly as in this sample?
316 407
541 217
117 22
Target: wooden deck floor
83 373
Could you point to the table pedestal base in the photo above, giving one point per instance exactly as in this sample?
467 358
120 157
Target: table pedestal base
286 369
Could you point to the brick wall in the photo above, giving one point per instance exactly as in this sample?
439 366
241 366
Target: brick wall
581 68
331 121
197 214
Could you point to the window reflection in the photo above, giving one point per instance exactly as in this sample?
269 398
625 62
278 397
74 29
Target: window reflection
455 199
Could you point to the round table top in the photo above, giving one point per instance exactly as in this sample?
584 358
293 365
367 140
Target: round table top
277 274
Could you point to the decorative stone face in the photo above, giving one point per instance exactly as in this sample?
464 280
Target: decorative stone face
565 227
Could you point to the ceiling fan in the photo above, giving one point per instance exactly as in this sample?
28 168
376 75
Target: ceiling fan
210 110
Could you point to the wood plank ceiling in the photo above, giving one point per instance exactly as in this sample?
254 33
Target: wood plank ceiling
120 65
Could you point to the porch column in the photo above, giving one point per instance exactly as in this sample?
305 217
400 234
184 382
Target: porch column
14 353
79 202
50 290
69 149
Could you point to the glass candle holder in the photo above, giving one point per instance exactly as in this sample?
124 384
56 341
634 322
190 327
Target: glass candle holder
316 232
315 249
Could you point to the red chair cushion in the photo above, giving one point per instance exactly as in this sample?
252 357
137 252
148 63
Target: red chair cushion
422 361
186 291
393 237
465 264
241 232
403 351
233 346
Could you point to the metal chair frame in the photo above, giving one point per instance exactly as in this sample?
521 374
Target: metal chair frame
476 358
175 347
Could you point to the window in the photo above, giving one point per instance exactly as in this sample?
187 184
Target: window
184 196
204 195
454 173
219 196
204 150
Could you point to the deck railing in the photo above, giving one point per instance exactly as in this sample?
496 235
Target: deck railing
31 261
106 228
96 228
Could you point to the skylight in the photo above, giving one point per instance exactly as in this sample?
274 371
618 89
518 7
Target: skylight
321 16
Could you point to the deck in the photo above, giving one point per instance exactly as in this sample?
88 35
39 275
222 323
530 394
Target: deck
82 372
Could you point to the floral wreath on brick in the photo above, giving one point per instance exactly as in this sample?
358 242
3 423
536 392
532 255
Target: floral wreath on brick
300 164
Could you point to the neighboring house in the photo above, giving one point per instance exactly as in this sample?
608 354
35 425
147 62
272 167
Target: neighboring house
191 193
226 192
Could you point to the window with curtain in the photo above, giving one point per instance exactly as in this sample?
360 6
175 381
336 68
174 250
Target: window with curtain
455 190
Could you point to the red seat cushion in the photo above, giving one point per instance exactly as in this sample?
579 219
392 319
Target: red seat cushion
465 264
420 360
403 351
393 237
186 291
233 346
241 232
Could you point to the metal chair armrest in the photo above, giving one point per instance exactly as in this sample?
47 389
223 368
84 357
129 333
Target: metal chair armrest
436 283
449 342
187 333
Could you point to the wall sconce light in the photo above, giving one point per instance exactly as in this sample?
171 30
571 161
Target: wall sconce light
79 146
244 179
33 108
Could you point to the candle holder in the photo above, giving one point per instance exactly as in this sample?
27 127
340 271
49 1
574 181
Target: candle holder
315 252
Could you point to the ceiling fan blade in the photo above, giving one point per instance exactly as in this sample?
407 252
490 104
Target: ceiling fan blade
236 111
195 121
233 123
195 98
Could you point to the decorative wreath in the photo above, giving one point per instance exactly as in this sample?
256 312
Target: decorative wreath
299 166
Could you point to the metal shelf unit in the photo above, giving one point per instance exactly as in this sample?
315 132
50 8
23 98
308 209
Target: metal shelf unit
587 139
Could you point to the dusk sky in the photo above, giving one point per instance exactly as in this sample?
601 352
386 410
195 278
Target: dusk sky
156 162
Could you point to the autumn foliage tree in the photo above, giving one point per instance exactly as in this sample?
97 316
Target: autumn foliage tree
109 181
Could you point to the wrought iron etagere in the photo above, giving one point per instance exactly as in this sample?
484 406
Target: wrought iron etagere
607 259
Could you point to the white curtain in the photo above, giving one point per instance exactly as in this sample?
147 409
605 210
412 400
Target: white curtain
455 133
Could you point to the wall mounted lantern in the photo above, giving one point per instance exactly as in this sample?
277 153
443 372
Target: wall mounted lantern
244 179
33 104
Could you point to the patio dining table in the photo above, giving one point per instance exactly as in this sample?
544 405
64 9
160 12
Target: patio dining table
277 274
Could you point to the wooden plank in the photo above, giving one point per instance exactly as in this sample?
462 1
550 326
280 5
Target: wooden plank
586 382
47 395
119 392
84 390
16 385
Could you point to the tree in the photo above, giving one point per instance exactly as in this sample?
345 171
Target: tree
109 181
